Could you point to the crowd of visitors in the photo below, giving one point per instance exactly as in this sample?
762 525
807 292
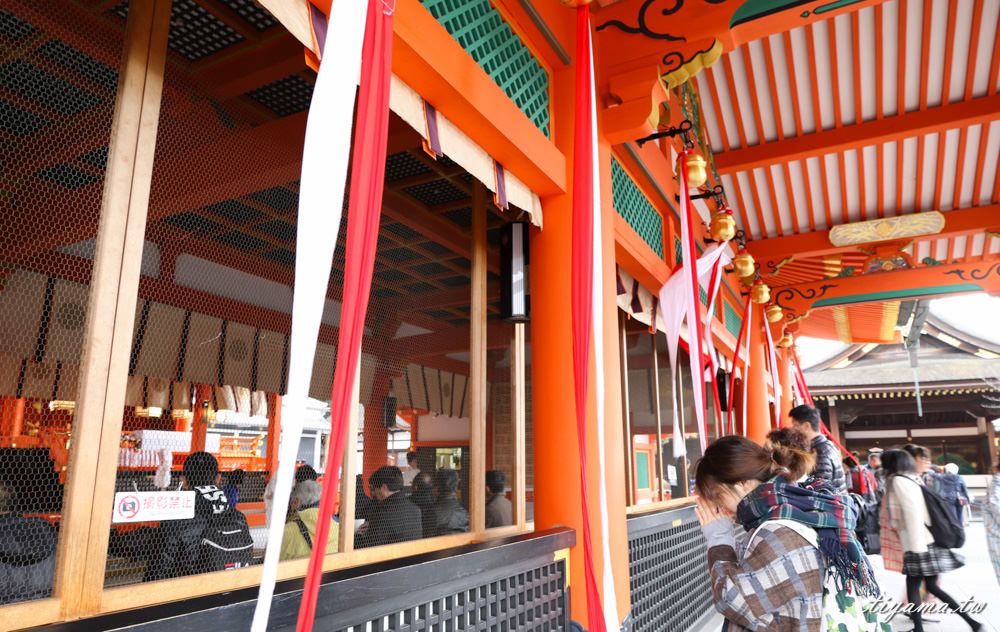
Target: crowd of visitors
812 520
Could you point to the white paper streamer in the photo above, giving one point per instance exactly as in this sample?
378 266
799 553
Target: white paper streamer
321 197
673 301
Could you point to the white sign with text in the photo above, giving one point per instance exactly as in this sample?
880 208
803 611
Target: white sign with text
152 506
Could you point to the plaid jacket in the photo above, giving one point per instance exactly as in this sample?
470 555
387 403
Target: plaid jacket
776 586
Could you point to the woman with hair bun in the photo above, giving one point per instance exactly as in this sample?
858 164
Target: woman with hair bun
790 449
798 535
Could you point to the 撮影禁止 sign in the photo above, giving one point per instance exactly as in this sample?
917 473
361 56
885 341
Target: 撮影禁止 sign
152 506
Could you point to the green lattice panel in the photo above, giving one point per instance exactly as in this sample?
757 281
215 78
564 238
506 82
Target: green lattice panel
484 34
679 253
732 319
633 206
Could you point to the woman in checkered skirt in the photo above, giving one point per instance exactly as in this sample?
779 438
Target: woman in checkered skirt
906 537
991 515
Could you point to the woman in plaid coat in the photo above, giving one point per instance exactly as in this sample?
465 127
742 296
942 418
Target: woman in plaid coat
907 543
777 583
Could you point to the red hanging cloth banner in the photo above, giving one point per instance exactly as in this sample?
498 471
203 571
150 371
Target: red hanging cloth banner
696 355
582 286
364 213
736 357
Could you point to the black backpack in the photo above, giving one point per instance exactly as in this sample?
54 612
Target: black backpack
948 532
226 543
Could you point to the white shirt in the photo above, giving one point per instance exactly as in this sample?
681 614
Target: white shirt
409 474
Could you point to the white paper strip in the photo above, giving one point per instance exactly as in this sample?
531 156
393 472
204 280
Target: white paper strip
321 196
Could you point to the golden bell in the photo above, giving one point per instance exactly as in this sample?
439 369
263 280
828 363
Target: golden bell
696 173
723 226
760 293
744 264
786 341
773 313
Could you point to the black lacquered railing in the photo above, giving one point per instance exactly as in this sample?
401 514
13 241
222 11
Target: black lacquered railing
668 573
515 583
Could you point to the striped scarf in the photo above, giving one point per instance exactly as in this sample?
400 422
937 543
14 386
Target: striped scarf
817 505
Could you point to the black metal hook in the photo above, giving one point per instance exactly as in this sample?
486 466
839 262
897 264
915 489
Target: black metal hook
684 128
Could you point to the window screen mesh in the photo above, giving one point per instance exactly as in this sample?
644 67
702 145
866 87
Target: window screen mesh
209 348
652 465
58 80
209 352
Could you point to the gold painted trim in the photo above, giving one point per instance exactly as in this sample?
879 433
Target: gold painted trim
780 264
699 62
843 323
886 229
890 314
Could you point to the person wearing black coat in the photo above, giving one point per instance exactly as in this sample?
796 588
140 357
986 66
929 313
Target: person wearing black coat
449 515
393 518
27 554
423 497
176 545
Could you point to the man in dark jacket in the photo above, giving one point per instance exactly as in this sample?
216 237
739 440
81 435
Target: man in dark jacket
806 419
450 516
498 509
27 554
178 544
423 497
393 518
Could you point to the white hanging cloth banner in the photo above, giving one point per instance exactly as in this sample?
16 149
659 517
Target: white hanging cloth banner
673 305
321 200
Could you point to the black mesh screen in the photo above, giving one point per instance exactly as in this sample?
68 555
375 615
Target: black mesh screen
668 571
58 82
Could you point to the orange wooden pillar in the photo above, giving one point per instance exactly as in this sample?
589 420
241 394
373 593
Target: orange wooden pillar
273 432
758 408
785 377
556 454
12 416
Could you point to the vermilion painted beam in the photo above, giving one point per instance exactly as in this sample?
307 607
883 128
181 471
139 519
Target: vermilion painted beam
633 254
768 252
796 301
879 131
434 64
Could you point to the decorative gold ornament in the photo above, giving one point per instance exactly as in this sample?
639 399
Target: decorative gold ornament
786 341
874 230
774 313
723 226
696 172
760 292
744 264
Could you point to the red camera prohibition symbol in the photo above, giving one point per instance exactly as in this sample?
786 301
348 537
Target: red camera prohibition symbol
128 507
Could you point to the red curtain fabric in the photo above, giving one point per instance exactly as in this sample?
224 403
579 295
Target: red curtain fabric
582 286
364 212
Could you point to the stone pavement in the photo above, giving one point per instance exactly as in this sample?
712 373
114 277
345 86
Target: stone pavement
975 580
